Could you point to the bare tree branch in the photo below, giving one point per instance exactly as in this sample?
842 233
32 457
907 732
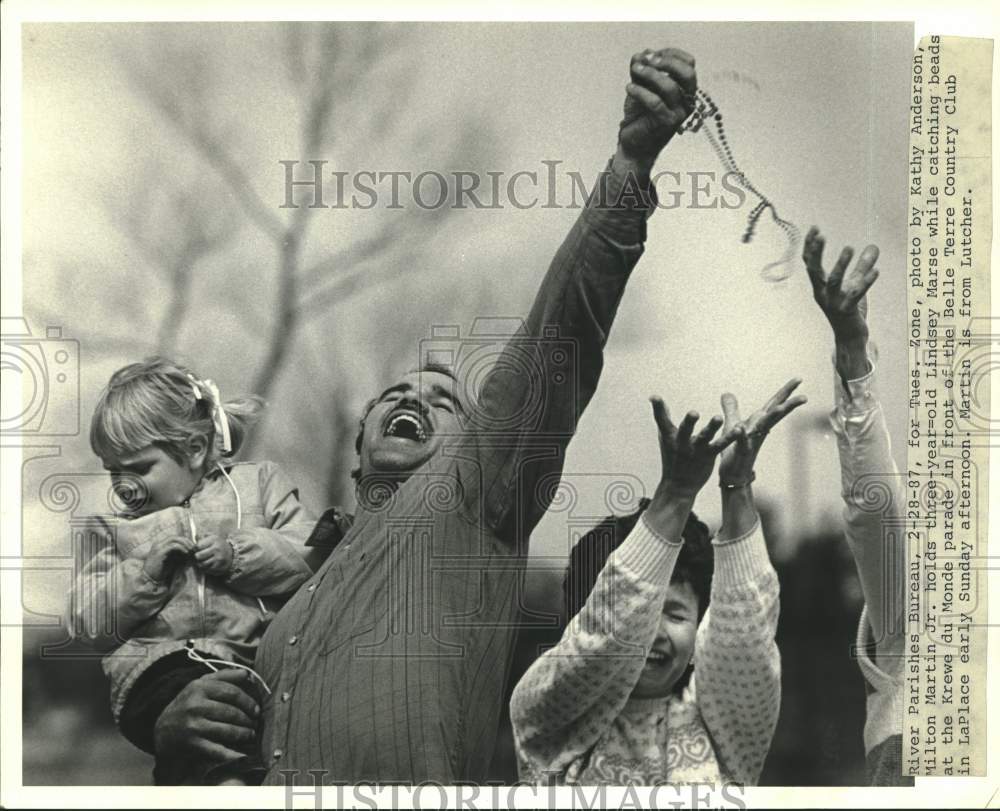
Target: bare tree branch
346 286
174 227
367 248
174 104
348 80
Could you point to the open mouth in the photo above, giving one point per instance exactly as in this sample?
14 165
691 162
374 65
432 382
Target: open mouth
405 425
657 658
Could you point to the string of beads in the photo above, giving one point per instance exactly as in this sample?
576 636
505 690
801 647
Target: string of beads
706 117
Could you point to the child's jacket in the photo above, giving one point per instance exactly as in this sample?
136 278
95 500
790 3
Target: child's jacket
116 607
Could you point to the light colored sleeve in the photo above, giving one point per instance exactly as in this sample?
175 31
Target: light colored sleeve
271 560
573 692
109 598
871 488
737 672
873 508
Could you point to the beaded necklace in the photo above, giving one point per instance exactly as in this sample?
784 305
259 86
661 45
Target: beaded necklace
705 116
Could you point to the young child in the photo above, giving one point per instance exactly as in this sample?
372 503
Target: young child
652 682
203 553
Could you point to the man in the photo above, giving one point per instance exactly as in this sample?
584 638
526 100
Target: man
390 664
873 501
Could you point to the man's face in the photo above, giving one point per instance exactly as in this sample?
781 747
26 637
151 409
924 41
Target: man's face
673 647
408 422
150 479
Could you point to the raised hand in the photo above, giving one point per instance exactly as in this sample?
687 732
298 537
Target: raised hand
841 293
658 99
687 458
841 296
737 461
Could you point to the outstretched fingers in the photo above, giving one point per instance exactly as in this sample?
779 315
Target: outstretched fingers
781 405
687 428
783 393
730 409
662 417
836 277
775 416
812 255
865 274
711 428
736 433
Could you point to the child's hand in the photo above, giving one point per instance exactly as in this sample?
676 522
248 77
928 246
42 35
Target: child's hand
164 556
737 461
214 554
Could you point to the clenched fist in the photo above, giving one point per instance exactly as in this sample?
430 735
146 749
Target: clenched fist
659 97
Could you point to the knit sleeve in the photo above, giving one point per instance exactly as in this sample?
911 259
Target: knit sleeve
737 666
573 692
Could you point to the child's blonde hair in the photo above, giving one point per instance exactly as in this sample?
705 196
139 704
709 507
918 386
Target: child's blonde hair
159 402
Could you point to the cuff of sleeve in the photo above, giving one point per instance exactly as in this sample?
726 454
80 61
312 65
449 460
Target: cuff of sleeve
647 554
884 716
853 397
742 559
619 206
236 565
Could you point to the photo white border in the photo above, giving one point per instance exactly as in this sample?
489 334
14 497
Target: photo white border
973 19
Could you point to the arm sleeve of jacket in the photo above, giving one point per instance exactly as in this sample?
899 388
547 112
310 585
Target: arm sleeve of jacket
111 596
271 560
871 489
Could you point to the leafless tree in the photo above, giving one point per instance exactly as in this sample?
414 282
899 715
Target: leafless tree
351 83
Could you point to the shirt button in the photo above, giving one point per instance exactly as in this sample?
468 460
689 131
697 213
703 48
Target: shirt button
312 587
293 640
285 696
278 753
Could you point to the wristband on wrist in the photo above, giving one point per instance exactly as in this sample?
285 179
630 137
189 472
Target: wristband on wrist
738 485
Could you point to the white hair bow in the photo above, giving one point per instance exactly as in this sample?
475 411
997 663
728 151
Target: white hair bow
218 412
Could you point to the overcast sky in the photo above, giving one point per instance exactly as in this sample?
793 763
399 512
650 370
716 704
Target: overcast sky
816 115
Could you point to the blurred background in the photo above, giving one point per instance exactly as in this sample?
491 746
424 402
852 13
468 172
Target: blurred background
153 223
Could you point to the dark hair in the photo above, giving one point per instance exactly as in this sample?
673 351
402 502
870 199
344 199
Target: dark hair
694 563
430 366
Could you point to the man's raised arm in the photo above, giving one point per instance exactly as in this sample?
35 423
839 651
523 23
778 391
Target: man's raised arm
531 400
